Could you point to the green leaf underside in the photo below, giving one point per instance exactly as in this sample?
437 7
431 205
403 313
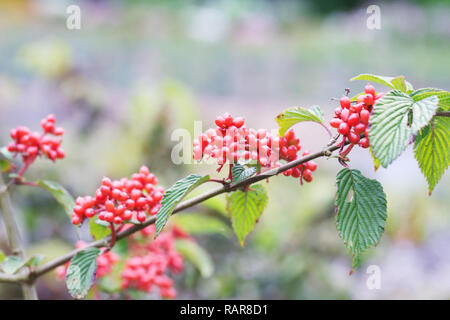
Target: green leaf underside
393 82
291 116
245 208
390 129
11 264
5 154
81 272
97 229
361 219
432 150
197 223
240 172
174 195
197 256
61 195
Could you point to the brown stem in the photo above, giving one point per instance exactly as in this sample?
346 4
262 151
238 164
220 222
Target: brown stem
39 271
443 114
12 231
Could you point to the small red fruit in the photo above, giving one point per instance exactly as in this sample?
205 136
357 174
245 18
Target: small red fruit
344 129
345 102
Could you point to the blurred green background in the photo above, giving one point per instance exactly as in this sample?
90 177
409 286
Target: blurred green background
138 70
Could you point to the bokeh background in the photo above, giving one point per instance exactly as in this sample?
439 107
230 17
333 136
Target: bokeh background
138 70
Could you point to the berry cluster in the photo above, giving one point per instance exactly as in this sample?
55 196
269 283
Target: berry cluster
33 144
121 200
105 262
148 266
231 141
352 120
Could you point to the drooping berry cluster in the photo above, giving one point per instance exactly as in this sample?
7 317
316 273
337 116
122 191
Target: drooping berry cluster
352 120
231 142
105 263
150 263
121 200
30 145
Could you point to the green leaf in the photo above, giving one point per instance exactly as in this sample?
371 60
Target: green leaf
5 166
291 116
393 82
196 255
245 208
2 256
34 260
361 211
443 96
61 195
174 195
5 154
81 272
12 264
197 223
391 127
97 229
6 158
432 150
240 173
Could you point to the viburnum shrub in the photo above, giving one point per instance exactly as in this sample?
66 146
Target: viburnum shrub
133 249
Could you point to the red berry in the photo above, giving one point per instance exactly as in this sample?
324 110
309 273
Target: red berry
238 122
369 89
364 142
357 107
345 102
353 119
344 129
353 138
311 165
365 114
359 128
345 114
335 122
337 111
368 99
307 175
89 213
220 121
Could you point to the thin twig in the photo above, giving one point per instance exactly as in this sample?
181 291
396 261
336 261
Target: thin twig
12 231
182 206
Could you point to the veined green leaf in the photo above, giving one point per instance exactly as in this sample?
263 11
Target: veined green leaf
11 264
5 160
443 96
97 229
391 129
291 116
81 272
197 256
398 82
61 195
5 154
240 173
432 150
245 209
174 195
361 211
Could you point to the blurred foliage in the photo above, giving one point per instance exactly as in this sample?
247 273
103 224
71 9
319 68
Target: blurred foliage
122 84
